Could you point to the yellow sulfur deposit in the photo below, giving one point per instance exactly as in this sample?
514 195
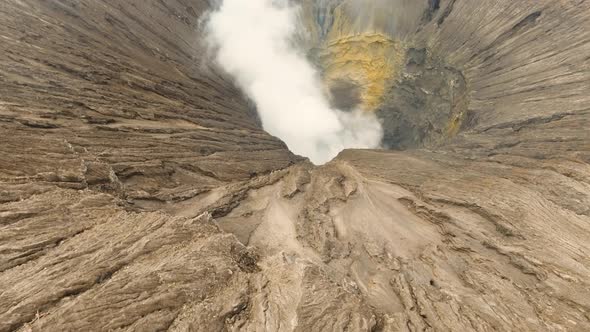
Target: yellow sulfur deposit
361 49
369 60
356 51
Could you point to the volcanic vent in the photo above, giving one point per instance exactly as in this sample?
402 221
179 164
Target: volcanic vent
369 60
377 86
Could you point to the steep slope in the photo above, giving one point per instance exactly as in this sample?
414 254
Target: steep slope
107 109
138 191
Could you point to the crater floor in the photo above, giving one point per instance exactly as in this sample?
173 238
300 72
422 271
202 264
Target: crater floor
138 191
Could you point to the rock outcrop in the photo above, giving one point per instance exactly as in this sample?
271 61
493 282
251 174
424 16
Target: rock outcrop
139 192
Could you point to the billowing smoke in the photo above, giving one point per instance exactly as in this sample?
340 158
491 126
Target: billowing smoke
253 42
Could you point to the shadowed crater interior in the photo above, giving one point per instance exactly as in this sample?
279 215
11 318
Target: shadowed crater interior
426 105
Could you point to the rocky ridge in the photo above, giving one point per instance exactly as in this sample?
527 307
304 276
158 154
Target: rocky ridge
138 191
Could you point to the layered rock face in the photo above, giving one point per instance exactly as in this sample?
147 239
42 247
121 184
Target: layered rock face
139 192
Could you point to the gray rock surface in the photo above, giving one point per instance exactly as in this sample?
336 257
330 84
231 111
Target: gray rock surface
138 191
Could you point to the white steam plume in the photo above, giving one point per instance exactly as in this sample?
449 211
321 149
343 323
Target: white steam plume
252 39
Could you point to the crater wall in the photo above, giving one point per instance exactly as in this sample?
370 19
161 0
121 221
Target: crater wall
139 193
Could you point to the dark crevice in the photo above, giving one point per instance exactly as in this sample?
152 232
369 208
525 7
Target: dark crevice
430 12
446 13
531 19
499 223
517 126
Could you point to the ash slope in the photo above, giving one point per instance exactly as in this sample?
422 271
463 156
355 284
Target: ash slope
138 191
